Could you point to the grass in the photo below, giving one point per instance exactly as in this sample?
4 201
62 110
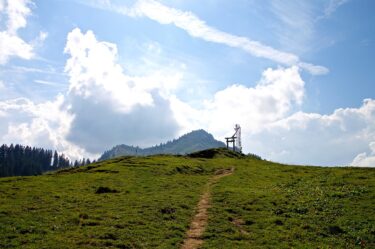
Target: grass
148 202
125 203
267 205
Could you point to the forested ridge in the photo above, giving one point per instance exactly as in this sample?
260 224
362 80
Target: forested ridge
20 160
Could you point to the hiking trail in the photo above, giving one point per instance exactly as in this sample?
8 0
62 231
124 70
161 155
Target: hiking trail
198 224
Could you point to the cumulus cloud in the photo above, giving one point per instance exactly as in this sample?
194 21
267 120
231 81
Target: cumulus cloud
93 70
365 160
198 28
11 45
17 11
103 106
277 93
311 138
45 124
110 107
270 100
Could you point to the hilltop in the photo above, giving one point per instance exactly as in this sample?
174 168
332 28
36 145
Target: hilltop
191 142
150 202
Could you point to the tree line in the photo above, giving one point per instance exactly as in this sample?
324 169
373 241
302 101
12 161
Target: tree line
20 160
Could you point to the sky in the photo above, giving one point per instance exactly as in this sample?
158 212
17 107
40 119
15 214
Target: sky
81 76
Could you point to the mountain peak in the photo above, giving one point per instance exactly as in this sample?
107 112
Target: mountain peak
193 141
197 133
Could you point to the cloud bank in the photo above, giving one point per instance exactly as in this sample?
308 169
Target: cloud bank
315 139
38 124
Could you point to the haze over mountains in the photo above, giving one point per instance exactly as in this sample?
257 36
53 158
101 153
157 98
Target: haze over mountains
191 142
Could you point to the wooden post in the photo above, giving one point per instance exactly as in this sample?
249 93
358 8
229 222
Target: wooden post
233 141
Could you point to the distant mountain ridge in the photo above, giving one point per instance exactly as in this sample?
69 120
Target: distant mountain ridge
191 142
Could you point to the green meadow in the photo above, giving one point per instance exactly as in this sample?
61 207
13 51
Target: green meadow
148 202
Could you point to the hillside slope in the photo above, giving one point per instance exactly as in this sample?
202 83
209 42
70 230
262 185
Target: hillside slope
149 202
194 141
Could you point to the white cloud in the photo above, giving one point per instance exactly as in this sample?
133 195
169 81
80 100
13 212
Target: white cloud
364 160
314 69
276 95
47 83
196 27
93 70
102 107
2 4
17 11
153 47
23 70
272 99
39 41
11 44
127 109
311 138
294 24
45 124
332 6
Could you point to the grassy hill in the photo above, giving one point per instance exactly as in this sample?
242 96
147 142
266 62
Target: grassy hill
149 202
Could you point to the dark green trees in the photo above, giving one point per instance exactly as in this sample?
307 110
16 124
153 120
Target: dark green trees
17 160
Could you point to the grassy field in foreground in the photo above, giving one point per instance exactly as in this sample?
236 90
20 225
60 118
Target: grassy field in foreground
148 202
266 205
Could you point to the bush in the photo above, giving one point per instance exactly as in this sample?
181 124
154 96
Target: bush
103 190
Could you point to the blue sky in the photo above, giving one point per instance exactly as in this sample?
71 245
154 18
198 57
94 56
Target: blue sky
82 76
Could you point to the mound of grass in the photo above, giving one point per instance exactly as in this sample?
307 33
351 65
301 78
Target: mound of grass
216 153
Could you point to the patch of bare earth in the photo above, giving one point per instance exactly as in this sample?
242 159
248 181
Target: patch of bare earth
239 224
198 225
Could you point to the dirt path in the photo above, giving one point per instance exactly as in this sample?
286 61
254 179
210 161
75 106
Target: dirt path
198 225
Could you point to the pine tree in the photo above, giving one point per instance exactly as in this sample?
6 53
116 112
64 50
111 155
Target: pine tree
55 163
24 160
